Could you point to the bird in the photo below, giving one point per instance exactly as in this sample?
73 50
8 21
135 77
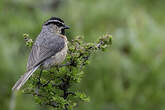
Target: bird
48 50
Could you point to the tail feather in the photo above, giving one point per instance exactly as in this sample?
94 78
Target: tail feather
24 78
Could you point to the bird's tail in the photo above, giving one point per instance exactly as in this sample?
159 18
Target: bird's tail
24 78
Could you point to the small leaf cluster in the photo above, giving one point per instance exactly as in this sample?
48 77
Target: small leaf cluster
57 87
28 41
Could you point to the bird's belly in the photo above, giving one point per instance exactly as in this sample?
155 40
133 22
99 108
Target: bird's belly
57 59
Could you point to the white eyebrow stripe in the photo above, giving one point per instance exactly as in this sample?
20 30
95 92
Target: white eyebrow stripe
54 21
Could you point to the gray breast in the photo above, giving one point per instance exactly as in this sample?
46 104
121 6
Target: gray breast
56 59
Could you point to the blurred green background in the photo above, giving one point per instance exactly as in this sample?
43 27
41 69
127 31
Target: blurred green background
128 76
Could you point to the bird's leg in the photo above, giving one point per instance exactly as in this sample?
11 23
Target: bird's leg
57 67
40 75
67 64
39 78
46 84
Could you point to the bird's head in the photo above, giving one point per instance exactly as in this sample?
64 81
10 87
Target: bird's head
56 25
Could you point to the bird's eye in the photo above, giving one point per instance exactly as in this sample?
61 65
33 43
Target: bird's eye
58 24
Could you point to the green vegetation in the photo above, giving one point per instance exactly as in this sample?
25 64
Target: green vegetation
57 87
129 76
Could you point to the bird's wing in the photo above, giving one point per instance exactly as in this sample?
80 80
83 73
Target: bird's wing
40 52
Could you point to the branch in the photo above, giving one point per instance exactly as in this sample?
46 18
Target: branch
59 90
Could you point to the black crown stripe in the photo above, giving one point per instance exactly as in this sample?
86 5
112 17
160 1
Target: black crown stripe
55 18
54 22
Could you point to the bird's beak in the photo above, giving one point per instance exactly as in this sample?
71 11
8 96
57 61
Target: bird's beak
66 27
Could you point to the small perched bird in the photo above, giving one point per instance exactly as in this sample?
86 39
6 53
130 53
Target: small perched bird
49 49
